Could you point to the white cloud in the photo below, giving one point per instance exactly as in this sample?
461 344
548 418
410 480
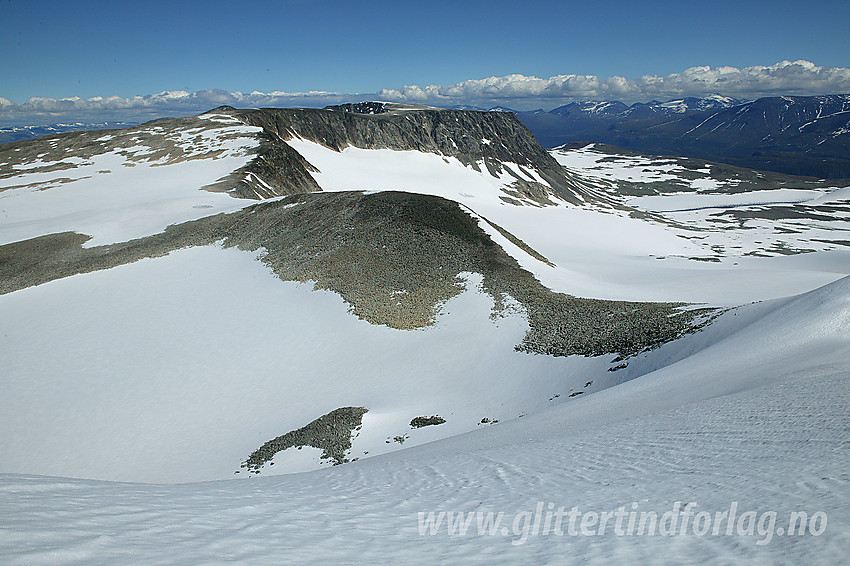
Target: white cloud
517 91
791 78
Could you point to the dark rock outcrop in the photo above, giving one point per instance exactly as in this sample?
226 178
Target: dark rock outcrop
330 433
433 420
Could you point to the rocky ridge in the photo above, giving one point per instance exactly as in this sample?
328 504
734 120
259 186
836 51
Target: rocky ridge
394 257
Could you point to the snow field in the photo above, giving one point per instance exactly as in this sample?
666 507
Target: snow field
757 418
119 195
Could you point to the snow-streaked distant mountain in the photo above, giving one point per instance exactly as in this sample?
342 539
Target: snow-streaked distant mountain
482 109
648 109
687 104
799 135
426 311
614 108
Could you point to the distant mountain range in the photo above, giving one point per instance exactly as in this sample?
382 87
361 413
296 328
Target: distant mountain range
798 135
641 110
17 133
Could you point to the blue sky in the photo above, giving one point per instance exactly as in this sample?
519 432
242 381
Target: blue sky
62 49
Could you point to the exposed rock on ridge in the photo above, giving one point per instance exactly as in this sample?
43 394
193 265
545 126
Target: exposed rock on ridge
330 433
394 257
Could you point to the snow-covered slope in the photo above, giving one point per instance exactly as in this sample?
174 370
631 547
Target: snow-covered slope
123 184
178 380
121 378
611 252
158 324
135 182
753 233
756 421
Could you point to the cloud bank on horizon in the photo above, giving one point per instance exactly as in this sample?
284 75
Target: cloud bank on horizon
786 77
518 91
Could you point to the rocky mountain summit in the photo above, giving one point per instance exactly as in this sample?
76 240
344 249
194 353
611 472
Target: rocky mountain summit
477 139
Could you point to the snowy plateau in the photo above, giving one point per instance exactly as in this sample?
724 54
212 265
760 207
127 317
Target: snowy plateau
410 336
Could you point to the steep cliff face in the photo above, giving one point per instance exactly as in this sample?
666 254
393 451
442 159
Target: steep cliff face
493 141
